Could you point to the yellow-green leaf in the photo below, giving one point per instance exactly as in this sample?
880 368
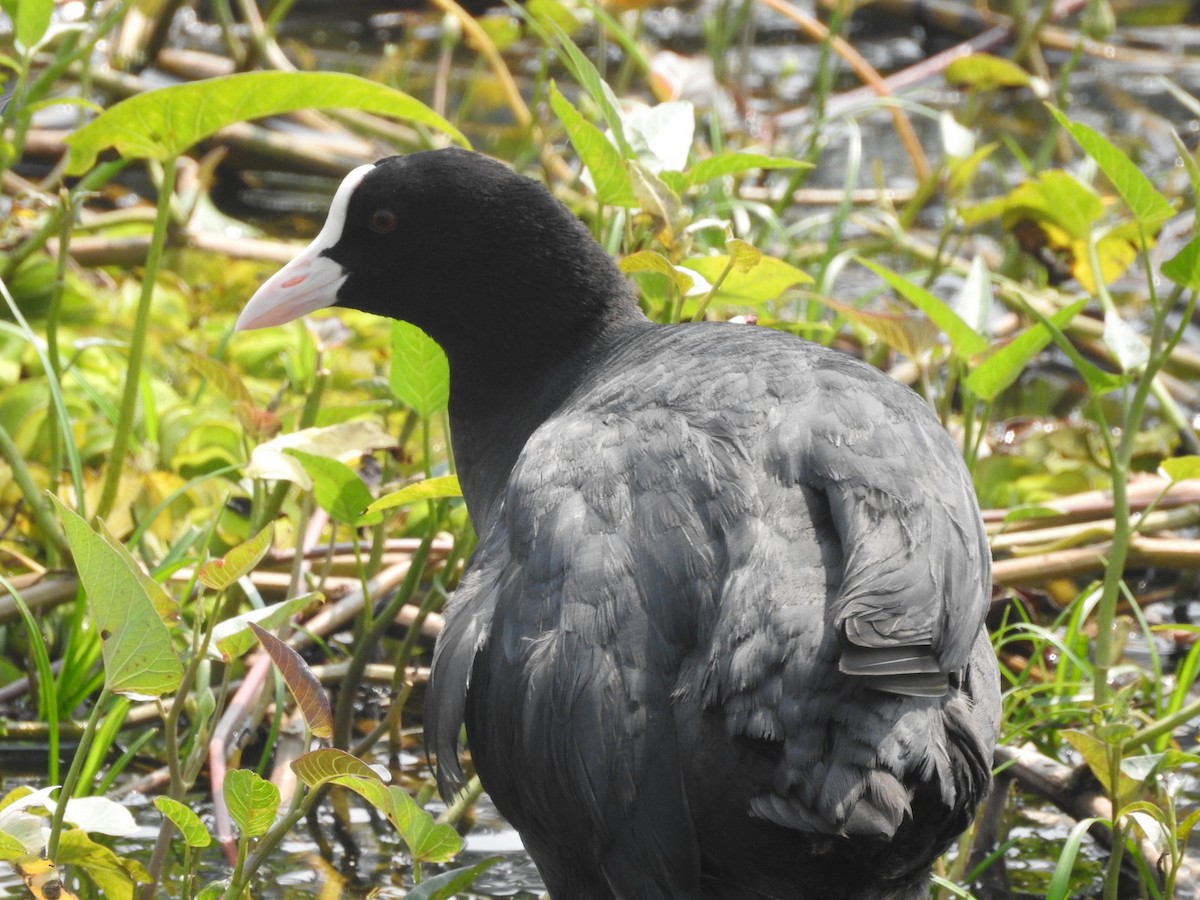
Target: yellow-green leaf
1148 206
427 840
139 659
1181 468
116 877
185 819
985 72
438 488
162 123
318 767
219 574
744 255
252 801
602 159
761 284
420 374
964 340
652 261
232 637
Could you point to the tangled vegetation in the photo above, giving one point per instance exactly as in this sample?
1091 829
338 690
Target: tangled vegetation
207 536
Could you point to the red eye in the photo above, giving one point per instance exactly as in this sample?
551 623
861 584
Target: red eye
383 221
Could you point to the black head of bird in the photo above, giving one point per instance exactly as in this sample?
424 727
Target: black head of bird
723 633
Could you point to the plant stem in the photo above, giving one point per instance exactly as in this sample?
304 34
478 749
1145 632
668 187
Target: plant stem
81 752
34 496
462 802
137 346
702 306
344 715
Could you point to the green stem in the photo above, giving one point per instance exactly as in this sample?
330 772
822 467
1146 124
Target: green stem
702 307
239 867
343 717
43 514
1165 725
81 753
1112 873
52 318
462 802
1106 609
137 346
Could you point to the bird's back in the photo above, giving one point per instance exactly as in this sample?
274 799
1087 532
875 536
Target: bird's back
723 631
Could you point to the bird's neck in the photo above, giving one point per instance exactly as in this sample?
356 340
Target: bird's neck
496 403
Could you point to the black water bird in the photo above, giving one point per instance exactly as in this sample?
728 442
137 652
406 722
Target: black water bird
723 633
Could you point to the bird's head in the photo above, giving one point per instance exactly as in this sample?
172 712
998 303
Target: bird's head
455 243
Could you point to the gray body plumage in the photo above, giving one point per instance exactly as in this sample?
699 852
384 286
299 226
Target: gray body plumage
734 582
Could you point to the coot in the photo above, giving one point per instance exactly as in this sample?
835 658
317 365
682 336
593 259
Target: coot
723 633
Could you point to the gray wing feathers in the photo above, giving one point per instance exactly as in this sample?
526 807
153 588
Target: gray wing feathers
468 620
917 573
615 571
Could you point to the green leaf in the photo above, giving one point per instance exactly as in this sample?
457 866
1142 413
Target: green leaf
115 877
985 72
1059 887
585 74
11 848
730 163
1004 366
908 332
762 284
318 767
454 883
1145 202
964 341
1098 381
343 441
338 489
232 637
1054 196
655 198
185 819
1184 267
653 261
1180 468
219 574
602 159
1095 752
223 377
139 659
304 685
744 255
30 20
420 374
164 604
252 800
166 122
1140 768
439 488
427 840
